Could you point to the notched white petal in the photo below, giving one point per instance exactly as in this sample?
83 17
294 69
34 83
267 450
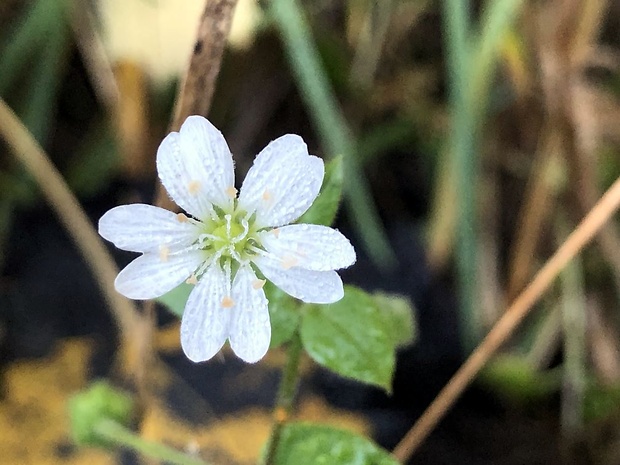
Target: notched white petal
282 183
208 154
196 167
319 287
250 331
309 246
206 323
148 276
145 228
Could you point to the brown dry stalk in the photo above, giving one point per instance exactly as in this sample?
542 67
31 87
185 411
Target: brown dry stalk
582 235
197 89
539 199
65 204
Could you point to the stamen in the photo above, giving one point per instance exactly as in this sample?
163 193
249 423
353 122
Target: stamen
227 302
234 254
163 253
258 284
202 238
182 218
192 280
267 195
231 192
228 226
210 261
256 250
276 232
227 272
289 262
194 187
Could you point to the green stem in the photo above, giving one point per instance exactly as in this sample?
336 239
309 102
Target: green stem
574 326
331 125
118 434
285 397
463 143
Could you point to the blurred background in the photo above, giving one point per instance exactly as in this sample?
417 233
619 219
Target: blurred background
476 135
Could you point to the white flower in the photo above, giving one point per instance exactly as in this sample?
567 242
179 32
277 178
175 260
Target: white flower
227 239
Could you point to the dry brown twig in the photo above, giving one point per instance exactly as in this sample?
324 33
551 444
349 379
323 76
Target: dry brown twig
197 89
576 241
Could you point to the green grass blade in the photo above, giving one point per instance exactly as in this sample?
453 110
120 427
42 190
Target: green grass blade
331 125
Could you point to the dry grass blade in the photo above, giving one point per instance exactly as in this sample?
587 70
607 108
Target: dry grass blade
68 209
582 235
196 92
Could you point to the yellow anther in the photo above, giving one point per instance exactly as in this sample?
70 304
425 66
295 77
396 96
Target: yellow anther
193 279
182 218
267 196
163 253
194 187
280 414
227 302
276 232
231 192
289 262
258 283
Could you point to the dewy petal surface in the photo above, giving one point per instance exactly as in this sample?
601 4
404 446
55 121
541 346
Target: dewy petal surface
151 275
282 183
309 246
250 331
319 287
196 167
206 324
145 228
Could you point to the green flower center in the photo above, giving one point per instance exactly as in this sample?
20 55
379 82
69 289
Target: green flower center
230 235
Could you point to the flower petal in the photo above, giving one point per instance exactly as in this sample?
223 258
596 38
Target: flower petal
309 246
152 275
250 331
196 167
206 323
282 183
318 287
145 228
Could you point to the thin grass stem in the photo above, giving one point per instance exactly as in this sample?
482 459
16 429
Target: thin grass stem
594 221
331 126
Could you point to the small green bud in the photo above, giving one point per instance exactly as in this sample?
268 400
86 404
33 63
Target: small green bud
98 403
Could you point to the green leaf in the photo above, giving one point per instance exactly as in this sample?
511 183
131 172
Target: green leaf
352 338
283 313
600 401
307 444
398 312
516 381
175 299
323 210
101 401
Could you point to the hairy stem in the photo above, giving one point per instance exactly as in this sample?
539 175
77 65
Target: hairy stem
285 397
121 436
